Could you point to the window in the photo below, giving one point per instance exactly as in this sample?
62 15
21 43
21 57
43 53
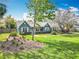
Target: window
47 29
37 29
27 29
24 29
41 29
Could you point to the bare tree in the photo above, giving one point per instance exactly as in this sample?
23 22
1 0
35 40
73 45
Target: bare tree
65 20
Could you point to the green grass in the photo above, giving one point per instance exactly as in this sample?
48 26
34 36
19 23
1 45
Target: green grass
4 36
57 47
64 46
48 37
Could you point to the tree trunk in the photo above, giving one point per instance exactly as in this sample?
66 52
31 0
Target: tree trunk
65 29
35 18
9 27
33 32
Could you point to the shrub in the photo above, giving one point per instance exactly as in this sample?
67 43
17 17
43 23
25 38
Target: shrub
23 37
54 33
13 34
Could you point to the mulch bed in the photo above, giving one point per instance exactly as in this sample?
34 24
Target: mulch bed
16 44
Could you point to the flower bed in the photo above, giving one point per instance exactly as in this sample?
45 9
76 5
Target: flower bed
16 44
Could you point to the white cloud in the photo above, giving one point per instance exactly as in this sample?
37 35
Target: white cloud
61 9
72 9
27 17
24 15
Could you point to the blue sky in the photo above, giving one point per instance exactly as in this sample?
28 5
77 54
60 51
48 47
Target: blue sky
17 8
66 3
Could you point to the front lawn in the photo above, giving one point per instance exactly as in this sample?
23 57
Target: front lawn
48 37
4 36
57 47
64 46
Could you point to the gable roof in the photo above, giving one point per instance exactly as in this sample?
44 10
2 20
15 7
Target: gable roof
42 24
18 23
31 23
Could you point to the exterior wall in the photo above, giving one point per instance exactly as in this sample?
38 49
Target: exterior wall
24 28
76 27
47 28
17 29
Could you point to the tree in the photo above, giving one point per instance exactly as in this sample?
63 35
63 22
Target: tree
2 12
10 23
65 20
41 9
2 9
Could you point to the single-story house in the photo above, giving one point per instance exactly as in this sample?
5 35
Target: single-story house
26 27
76 24
76 27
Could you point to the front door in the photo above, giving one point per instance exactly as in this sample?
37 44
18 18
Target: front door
24 30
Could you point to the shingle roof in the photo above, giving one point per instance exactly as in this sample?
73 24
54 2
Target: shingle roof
31 24
42 24
18 23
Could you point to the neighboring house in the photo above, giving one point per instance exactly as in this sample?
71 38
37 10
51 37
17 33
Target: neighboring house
26 27
76 25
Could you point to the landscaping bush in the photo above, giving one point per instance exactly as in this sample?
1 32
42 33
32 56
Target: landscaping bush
13 34
23 37
54 33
